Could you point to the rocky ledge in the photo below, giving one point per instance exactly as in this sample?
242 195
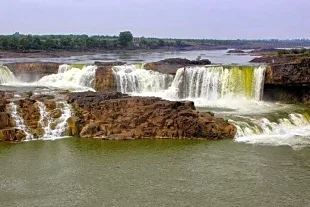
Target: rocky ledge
171 65
121 117
30 72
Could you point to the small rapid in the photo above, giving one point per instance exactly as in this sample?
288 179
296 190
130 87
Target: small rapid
19 121
291 129
54 127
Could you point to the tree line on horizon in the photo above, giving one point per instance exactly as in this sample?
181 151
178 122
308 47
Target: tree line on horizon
125 40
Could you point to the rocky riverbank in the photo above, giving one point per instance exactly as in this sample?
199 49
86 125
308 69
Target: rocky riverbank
107 116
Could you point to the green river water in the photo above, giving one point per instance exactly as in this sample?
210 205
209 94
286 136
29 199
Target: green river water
85 172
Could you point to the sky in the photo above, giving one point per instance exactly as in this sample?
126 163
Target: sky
216 19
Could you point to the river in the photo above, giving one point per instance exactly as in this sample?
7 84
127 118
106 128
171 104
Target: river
266 164
84 172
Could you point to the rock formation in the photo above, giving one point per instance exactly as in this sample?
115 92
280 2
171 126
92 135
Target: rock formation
104 78
117 116
288 82
170 66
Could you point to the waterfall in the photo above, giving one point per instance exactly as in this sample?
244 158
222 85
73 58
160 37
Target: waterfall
133 79
70 77
217 82
6 75
292 129
19 121
54 127
210 83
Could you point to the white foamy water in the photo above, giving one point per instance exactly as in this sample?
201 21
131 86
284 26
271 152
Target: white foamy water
131 79
233 91
68 77
71 78
19 121
54 128
292 130
6 75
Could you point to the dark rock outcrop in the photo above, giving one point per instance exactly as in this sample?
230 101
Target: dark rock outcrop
288 82
171 65
29 72
117 116
289 73
235 52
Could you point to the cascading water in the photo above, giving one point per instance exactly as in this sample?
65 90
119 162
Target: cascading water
70 77
212 83
132 79
291 130
19 121
54 127
235 91
6 75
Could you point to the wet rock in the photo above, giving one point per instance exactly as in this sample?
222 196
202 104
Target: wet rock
7 134
73 126
30 113
12 134
26 94
5 120
104 77
50 105
20 135
117 116
56 113
89 130
43 97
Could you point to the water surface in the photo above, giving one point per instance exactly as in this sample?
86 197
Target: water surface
84 172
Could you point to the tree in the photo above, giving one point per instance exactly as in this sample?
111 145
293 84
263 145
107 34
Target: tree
125 39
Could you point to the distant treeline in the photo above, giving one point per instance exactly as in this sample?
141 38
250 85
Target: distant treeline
125 40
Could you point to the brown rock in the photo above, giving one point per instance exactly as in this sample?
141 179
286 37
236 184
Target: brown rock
56 113
171 65
117 116
104 77
73 126
5 120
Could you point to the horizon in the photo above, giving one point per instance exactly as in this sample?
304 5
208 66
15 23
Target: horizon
180 19
116 35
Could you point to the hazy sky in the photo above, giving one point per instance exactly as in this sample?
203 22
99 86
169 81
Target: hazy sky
221 19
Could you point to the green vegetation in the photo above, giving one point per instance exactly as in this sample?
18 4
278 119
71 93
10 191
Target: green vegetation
125 40
79 66
301 52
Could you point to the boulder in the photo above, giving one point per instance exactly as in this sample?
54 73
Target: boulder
73 126
56 113
104 77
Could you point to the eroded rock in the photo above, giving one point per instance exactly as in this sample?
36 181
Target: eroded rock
117 116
